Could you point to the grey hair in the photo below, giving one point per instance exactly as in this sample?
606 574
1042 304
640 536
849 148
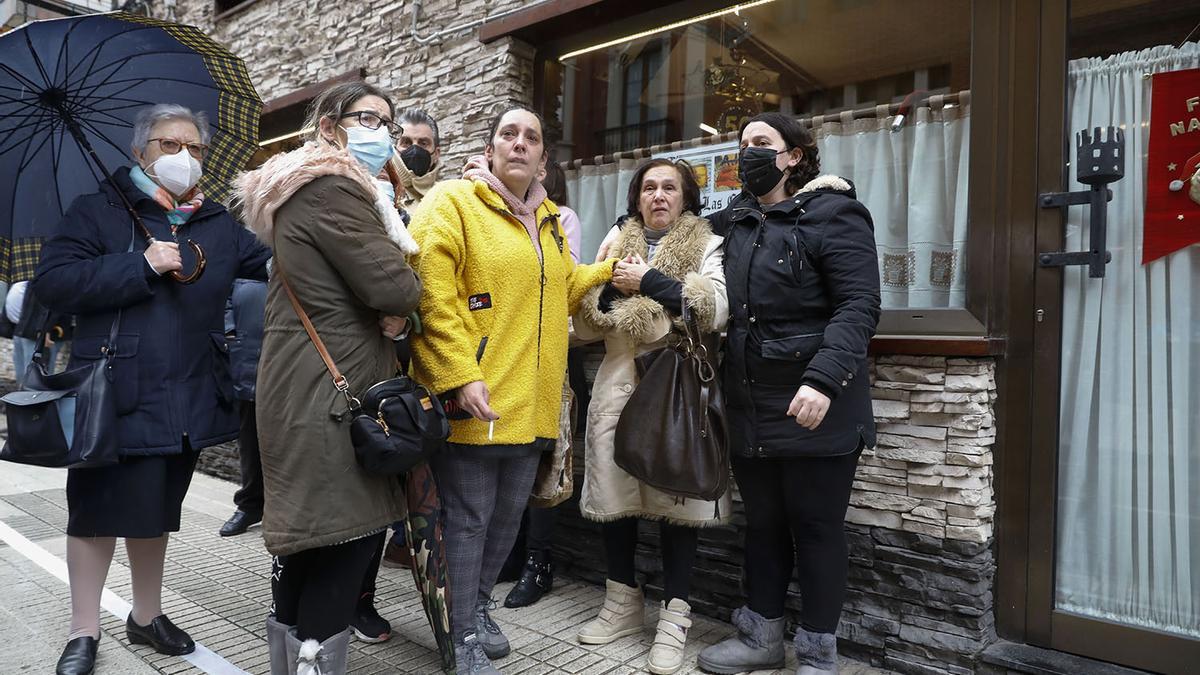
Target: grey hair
149 117
418 116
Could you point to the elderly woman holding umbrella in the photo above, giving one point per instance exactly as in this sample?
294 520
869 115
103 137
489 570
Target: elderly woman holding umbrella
171 381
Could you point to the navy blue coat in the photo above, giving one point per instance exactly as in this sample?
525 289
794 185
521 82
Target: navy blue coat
244 324
803 284
172 363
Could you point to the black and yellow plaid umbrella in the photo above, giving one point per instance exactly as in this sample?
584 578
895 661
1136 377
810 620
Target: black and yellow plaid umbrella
69 92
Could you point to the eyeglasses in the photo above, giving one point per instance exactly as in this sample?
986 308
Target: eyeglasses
170 146
370 120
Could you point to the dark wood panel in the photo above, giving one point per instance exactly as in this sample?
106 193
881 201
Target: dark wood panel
936 346
306 94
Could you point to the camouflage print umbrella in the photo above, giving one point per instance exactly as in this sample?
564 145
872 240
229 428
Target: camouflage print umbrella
69 92
423 530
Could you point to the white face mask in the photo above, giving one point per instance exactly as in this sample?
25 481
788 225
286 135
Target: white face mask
178 173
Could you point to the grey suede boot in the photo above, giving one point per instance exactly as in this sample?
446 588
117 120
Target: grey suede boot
816 653
277 646
319 658
758 645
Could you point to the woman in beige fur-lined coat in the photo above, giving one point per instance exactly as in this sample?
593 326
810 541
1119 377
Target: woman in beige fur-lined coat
667 254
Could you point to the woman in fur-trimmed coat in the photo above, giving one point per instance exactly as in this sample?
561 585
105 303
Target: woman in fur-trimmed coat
341 247
667 254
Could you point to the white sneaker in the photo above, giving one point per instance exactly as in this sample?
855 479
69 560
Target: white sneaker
666 656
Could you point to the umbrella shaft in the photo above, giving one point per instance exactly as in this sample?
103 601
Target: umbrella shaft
86 146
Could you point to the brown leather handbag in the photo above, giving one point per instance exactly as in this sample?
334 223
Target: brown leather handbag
672 434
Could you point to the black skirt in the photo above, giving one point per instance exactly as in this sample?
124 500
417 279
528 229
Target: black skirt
140 498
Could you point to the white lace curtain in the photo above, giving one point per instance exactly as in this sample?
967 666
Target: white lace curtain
914 182
1129 448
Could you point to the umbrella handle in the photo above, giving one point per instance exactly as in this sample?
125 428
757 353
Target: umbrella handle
177 275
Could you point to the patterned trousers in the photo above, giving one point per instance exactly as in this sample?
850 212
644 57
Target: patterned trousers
482 499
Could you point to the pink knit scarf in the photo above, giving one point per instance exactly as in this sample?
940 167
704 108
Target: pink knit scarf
524 210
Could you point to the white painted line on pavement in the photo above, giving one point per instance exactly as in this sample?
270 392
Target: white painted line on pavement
203 658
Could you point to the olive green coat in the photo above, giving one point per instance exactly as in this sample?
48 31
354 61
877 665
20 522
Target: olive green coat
333 245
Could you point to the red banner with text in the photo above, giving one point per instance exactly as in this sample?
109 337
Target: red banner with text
1172 218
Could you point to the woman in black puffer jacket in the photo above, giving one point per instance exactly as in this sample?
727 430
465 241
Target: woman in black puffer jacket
802 278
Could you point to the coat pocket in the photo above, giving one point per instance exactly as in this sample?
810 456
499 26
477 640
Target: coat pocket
222 379
125 365
799 348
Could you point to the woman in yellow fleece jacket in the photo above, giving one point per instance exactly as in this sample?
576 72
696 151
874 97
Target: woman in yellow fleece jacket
499 286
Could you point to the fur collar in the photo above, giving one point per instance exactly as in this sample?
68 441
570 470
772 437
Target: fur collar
679 255
827 182
681 249
261 192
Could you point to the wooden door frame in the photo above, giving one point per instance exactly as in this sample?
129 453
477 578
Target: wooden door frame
1028 473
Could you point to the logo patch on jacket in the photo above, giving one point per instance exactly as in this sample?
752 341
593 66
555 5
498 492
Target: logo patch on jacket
478 302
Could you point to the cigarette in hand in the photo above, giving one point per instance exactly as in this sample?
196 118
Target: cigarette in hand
491 428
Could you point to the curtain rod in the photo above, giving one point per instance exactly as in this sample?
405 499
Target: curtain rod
936 101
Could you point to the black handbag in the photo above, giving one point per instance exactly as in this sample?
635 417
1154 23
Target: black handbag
68 419
396 425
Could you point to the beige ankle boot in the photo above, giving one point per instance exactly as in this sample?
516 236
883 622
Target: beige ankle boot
623 614
666 656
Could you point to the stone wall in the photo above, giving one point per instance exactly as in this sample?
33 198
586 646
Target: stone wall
291 44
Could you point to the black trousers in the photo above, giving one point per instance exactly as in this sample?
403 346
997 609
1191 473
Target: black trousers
372 573
539 528
678 546
316 590
795 513
249 498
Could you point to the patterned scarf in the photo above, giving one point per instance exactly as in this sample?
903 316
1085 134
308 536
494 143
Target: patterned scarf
177 212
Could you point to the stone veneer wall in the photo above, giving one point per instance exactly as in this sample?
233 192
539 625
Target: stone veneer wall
291 44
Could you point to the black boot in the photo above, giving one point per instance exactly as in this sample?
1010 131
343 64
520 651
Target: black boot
536 580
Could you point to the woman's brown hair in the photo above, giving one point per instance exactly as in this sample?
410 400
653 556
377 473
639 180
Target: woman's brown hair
691 189
794 136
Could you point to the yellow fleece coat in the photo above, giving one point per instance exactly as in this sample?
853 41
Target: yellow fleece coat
482 277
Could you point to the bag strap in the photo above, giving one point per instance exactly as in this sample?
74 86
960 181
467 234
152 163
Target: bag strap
701 361
339 380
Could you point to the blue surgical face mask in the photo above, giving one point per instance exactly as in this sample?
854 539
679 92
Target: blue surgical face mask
371 147
387 189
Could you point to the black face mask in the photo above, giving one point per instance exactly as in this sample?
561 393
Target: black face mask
417 159
757 170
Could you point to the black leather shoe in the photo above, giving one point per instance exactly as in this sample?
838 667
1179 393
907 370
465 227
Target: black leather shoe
536 580
78 657
238 523
164 636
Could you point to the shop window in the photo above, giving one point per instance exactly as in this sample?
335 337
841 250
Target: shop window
845 68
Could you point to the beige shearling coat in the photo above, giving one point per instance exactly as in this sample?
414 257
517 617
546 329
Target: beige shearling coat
689 253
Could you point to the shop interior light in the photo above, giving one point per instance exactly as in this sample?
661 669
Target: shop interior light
708 130
736 9
269 141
